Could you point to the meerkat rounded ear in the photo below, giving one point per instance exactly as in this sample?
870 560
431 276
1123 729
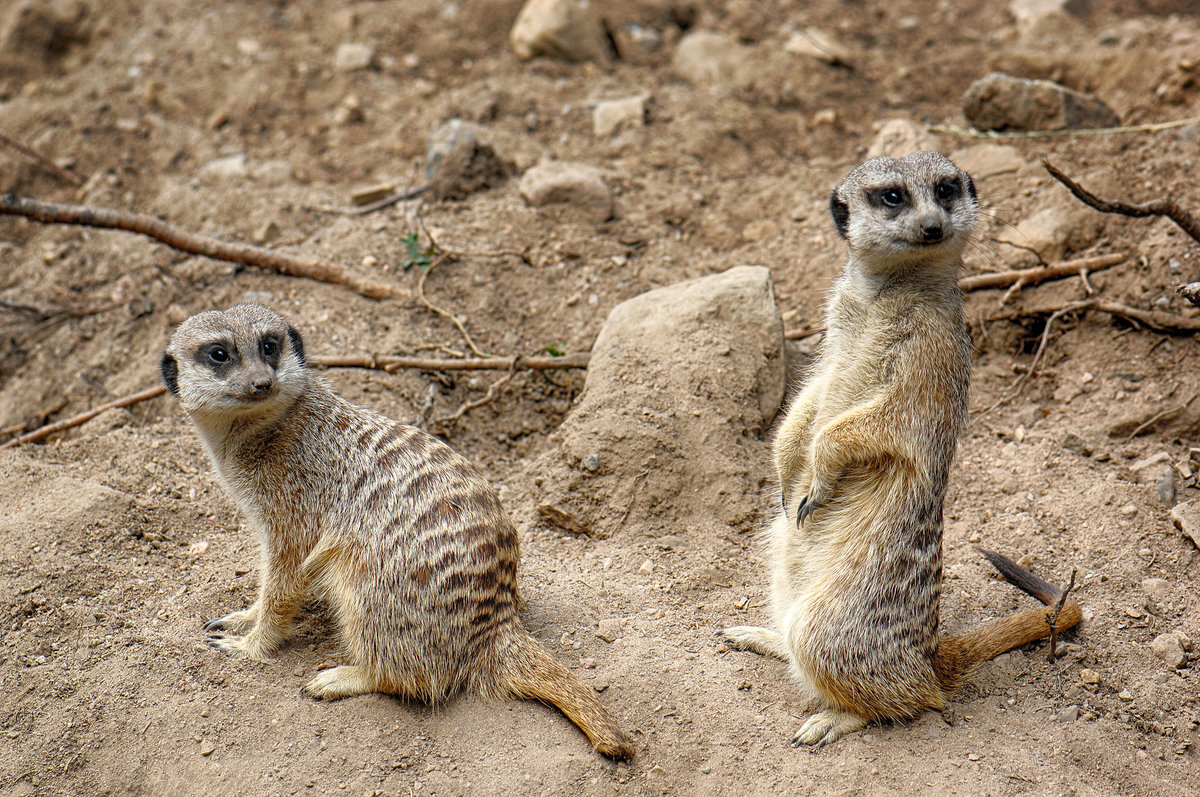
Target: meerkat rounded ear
297 344
170 374
970 186
841 213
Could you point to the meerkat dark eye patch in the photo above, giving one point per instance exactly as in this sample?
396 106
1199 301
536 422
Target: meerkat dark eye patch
841 214
297 344
970 186
947 191
269 347
894 197
170 373
215 355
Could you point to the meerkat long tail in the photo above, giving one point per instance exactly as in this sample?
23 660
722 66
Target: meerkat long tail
958 656
528 671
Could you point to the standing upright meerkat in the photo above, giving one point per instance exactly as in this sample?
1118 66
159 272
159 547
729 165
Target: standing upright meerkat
404 538
863 457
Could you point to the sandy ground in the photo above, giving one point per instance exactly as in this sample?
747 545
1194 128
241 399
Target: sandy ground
116 542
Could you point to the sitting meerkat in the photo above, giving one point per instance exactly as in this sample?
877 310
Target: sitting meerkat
404 538
863 457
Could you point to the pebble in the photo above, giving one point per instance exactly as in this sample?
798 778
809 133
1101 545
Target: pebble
998 101
587 663
646 568
207 748
609 116
563 182
591 463
352 56
225 166
816 43
1127 511
298 671
1186 517
609 629
1125 695
1158 589
1169 649
705 58
1068 714
569 30
1089 676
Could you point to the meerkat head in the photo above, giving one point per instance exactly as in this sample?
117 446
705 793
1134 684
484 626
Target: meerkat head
240 363
898 212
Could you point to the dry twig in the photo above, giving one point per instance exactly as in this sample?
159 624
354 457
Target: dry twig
42 161
1187 222
1016 280
1052 619
84 417
150 226
389 364
492 391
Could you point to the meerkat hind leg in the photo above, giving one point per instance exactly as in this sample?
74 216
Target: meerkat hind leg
760 640
337 682
826 728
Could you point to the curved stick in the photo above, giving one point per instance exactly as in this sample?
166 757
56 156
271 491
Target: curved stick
159 230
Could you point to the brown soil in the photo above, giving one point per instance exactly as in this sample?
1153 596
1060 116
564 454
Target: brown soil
116 542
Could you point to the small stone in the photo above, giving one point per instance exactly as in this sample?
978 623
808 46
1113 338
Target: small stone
972 756
1125 695
569 30
816 43
825 116
225 166
609 629
1158 589
298 671
587 663
609 116
705 58
1135 612
647 568
372 193
1169 649
207 748
1127 511
352 56
1068 714
1003 102
1089 676
241 570
266 233
574 184
591 463
197 548
370 261
1186 517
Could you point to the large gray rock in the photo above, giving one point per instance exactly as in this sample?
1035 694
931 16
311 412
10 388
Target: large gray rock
999 102
669 430
570 30
563 182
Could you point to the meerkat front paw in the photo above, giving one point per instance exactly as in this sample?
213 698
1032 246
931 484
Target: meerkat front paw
234 622
759 640
242 646
826 728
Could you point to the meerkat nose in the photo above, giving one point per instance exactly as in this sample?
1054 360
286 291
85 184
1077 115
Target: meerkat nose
262 385
932 231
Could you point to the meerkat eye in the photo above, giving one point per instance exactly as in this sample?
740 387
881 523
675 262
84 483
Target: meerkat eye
218 354
948 190
270 347
890 197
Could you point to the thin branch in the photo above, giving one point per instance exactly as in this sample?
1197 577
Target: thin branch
389 364
1187 222
1032 276
393 364
1052 619
380 204
42 161
152 227
84 417
492 392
